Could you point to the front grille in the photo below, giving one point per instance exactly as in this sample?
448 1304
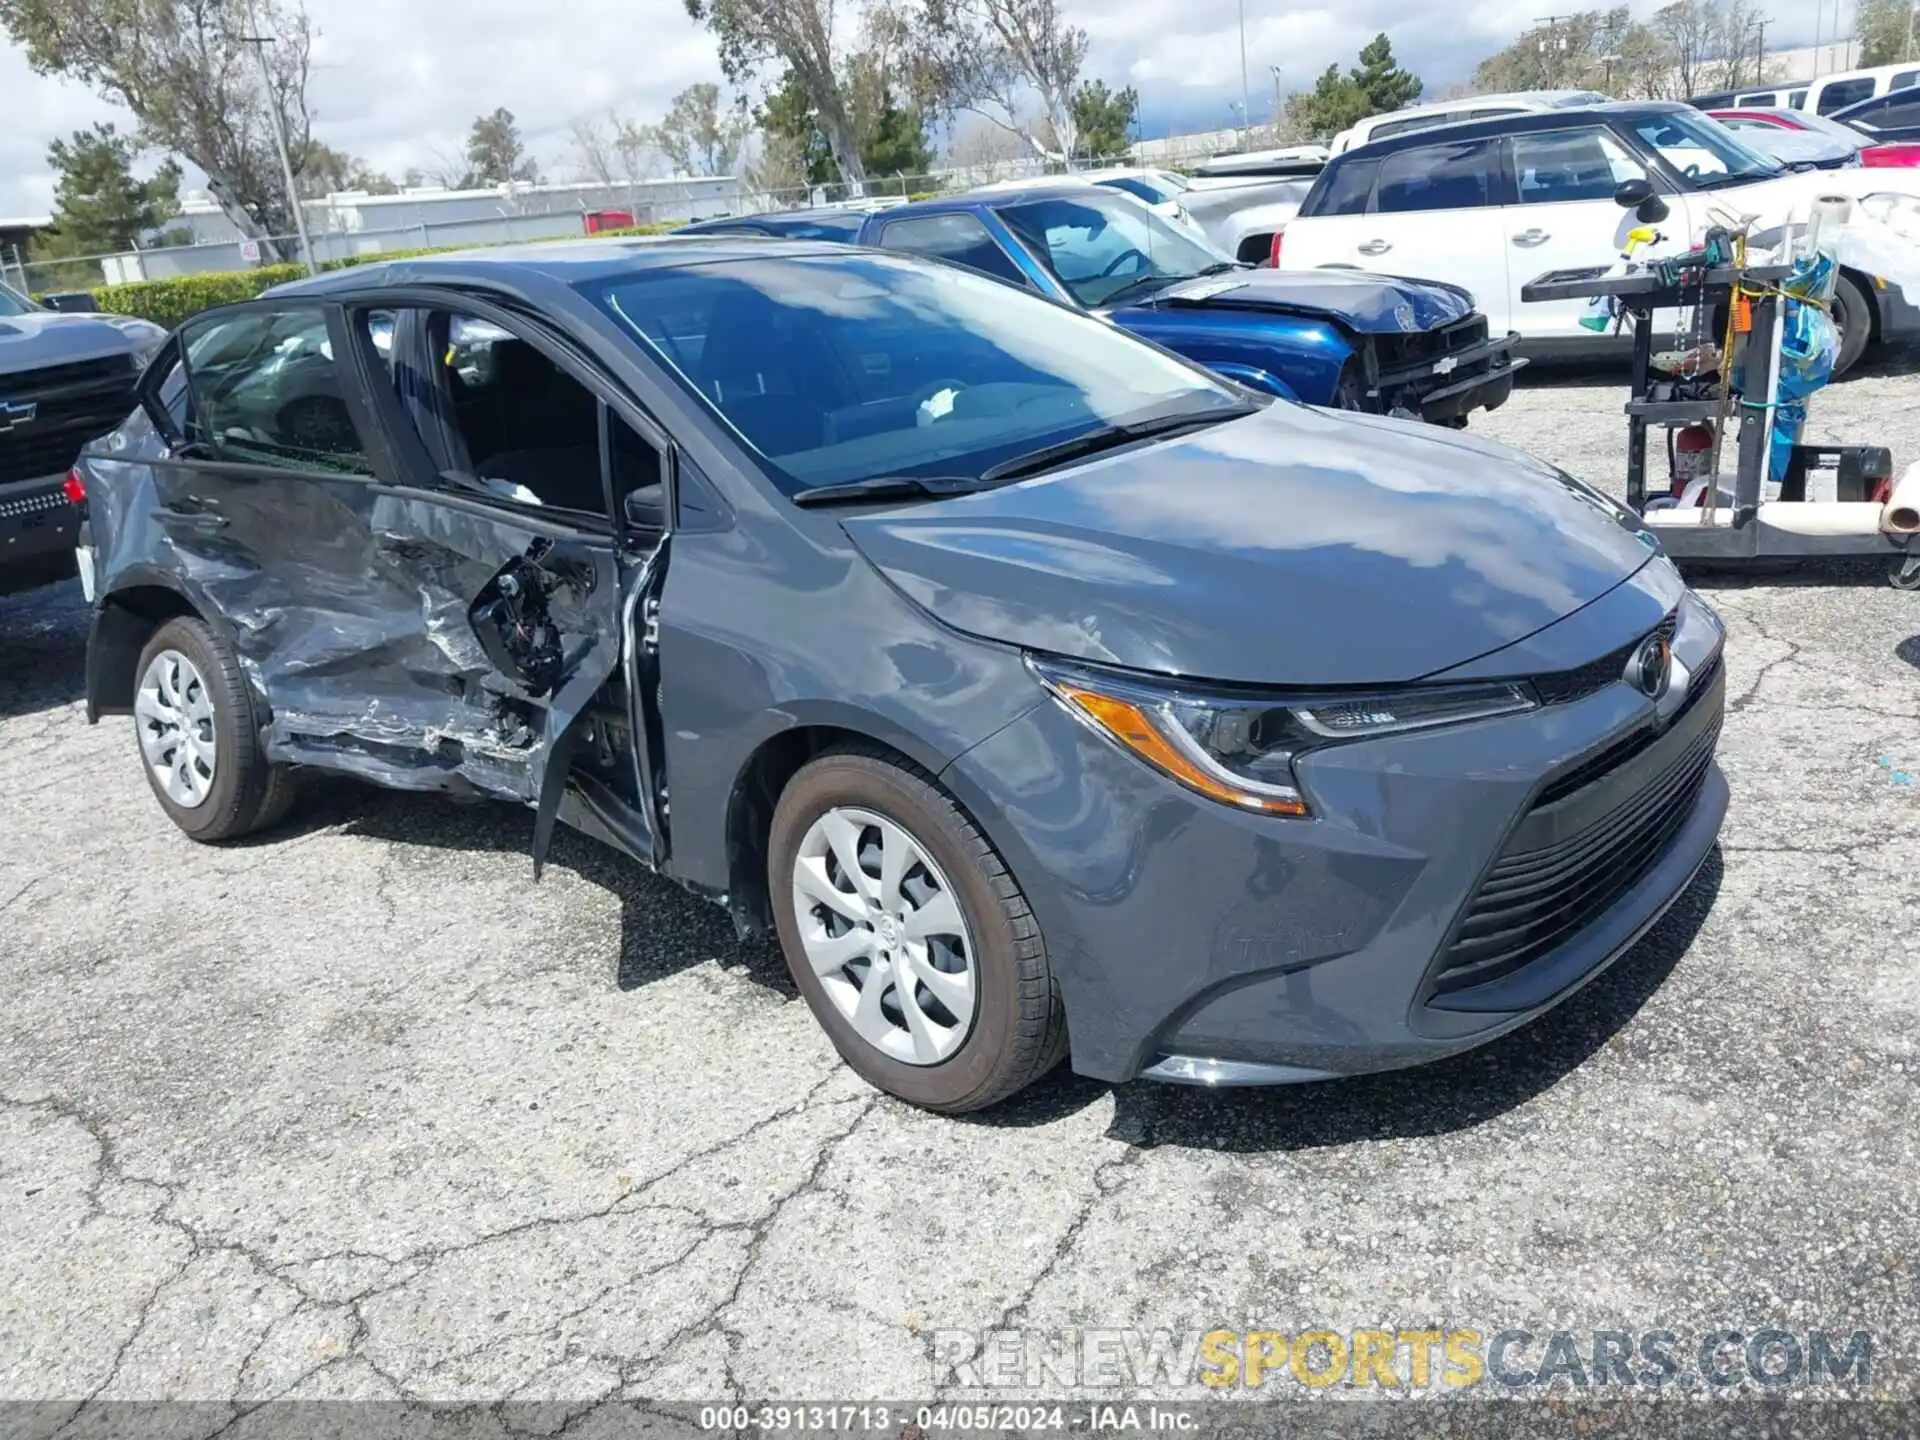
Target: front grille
1425 347
1534 901
1566 686
73 404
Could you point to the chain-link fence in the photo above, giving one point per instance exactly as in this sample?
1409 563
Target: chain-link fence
347 228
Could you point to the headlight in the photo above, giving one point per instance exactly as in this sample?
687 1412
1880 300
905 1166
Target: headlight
1899 213
1239 750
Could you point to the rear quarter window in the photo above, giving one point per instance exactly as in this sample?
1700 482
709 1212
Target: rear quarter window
1437 177
1342 189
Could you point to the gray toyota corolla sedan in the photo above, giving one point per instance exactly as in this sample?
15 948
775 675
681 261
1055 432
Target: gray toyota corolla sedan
1043 693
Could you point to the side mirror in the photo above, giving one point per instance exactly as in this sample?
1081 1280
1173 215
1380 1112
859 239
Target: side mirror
646 508
1632 194
1637 195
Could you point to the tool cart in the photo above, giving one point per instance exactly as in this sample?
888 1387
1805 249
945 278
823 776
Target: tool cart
1831 500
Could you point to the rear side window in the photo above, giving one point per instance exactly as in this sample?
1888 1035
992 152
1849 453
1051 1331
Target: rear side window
1344 189
1437 177
1904 80
1558 165
263 388
1843 93
957 237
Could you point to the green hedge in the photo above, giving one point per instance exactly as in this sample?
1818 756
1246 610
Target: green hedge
168 302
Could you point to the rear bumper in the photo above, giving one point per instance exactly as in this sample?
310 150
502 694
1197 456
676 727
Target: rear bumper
38 530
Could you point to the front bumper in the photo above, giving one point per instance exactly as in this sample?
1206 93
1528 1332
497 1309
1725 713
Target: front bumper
1485 372
38 529
1196 943
1899 315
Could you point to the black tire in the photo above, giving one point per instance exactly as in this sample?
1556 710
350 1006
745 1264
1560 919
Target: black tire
248 793
1853 317
1019 1030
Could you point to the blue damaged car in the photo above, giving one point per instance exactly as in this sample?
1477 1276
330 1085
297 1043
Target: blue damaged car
1416 349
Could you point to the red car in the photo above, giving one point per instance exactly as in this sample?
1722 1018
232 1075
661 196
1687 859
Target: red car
1870 152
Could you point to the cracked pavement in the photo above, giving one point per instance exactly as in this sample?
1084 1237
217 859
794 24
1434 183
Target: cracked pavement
357 1110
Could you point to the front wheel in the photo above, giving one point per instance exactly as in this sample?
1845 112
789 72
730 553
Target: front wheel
912 943
195 720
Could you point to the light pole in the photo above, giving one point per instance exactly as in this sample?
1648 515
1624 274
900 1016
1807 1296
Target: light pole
259 44
1279 100
1246 95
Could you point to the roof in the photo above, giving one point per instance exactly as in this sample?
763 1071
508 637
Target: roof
1060 189
1516 123
570 262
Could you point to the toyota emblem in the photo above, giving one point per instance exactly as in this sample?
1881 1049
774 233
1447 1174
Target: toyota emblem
1650 670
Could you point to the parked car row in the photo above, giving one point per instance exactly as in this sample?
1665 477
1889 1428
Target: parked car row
1380 344
1491 204
1043 692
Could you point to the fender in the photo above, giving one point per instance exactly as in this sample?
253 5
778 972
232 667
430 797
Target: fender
1255 378
143 598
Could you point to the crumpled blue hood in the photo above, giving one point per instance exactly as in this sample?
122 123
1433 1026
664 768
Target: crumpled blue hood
1364 303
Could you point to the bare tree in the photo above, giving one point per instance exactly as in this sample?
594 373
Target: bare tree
991 56
804 35
699 135
185 70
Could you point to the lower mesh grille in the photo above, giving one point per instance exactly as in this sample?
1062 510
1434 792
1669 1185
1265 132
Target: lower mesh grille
1534 901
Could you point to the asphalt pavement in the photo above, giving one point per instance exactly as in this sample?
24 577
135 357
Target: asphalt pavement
360 1110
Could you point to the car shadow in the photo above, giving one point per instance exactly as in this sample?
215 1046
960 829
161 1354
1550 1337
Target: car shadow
664 928
1438 1099
43 650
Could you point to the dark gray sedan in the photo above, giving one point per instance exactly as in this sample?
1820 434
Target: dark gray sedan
1044 693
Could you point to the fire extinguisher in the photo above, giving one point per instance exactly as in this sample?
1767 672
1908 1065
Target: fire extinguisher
1688 451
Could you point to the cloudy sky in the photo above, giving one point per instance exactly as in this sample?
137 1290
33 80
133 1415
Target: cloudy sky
399 83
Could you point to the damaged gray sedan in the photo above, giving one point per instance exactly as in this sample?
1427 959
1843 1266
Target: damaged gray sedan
1027 680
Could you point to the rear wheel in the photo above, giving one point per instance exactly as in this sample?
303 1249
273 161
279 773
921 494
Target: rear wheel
198 727
1853 318
913 945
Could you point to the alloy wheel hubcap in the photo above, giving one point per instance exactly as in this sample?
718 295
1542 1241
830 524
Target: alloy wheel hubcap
174 717
883 932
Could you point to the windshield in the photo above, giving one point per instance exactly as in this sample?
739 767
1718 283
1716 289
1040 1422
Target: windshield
843 368
1102 245
12 302
1704 150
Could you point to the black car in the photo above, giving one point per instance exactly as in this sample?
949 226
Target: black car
65 379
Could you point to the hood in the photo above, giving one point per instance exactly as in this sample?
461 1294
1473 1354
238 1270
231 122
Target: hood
1294 547
1368 304
50 337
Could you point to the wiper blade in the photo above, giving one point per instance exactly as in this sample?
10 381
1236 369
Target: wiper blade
1108 437
1221 267
886 487
1158 282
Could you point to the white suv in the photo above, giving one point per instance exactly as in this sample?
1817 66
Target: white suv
1490 205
